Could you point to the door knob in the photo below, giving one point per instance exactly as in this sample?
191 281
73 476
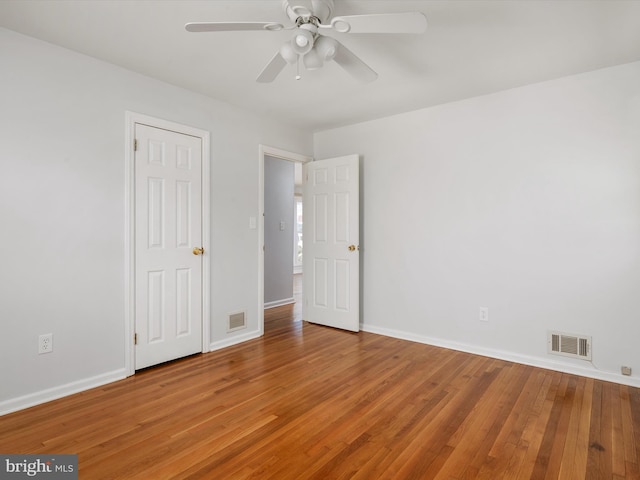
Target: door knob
352 248
198 250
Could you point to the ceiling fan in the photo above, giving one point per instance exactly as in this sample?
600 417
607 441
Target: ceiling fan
311 19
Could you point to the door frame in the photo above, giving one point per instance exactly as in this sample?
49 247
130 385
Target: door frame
131 119
265 150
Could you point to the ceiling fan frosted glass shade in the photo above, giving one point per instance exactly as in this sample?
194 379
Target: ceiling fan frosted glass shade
326 48
312 60
302 41
288 53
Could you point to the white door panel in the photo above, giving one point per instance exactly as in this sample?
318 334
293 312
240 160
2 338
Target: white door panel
168 211
331 250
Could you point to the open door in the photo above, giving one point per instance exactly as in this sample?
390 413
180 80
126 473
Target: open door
331 260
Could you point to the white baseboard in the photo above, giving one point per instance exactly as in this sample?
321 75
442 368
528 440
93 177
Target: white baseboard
592 372
279 303
43 396
228 342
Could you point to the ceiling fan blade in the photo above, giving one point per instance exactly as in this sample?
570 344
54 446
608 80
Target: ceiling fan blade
231 26
412 22
272 69
353 65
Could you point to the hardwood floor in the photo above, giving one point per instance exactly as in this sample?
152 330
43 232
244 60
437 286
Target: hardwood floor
306 401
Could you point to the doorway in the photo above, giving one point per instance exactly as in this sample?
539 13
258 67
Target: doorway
279 238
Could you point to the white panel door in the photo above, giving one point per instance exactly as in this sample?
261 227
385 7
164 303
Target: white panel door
331 256
168 277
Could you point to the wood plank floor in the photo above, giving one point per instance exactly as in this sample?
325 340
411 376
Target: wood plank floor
306 402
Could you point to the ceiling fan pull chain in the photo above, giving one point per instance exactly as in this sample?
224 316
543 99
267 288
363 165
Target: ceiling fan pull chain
298 77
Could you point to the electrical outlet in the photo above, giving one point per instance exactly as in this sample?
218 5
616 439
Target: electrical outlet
45 343
625 370
483 314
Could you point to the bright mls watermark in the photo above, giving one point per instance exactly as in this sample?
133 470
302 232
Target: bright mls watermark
52 467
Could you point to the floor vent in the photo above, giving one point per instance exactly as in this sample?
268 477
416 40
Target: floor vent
237 321
569 345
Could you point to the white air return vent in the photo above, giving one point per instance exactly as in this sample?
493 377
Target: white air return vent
237 321
569 345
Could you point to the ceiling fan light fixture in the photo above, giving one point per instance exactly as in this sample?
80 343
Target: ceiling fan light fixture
288 53
302 41
326 48
312 60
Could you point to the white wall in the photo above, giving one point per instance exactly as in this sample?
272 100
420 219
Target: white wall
278 243
526 201
62 150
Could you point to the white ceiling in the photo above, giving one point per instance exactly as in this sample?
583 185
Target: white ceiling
471 48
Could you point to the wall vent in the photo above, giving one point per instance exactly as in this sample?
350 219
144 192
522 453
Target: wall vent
569 345
237 321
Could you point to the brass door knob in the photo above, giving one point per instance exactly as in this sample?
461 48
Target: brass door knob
352 248
198 250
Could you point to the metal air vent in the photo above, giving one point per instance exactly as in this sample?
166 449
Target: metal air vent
569 345
237 321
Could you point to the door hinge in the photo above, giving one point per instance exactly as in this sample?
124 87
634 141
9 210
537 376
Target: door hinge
135 145
135 338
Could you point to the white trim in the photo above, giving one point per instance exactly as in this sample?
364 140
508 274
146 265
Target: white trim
284 155
508 356
131 119
229 342
43 396
297 197
206 241
279 303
